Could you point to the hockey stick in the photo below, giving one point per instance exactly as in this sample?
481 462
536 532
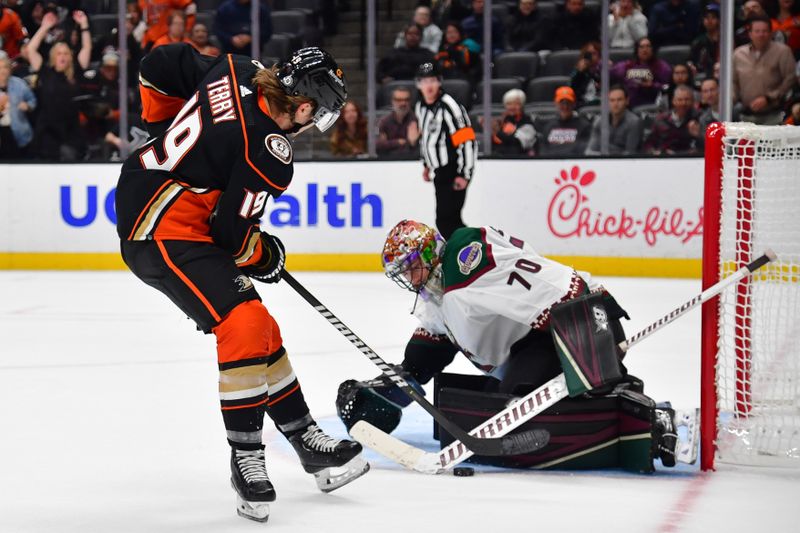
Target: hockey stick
525 442
527 407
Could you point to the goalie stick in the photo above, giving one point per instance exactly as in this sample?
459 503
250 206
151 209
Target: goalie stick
526 408
525 442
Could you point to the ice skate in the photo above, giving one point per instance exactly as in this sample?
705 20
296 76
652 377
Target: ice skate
333 462
665 436
252 485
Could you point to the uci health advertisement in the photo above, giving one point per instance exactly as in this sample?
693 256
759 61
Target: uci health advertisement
608 214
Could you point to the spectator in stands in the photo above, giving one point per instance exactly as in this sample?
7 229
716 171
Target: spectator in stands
585 78
402 63
513 133
626 24
705 48
763 74
11 32
431 33
156 16
455 59
101 106
625 127
176 31
398 132
681 75
349 138
16 101
443 11
232 25
566 135
674 22
786 24
676 131
709 105
644 75
793 119
750 9
31 14
573 26
110 41
528 28
473 28
57 133
199 39
133 16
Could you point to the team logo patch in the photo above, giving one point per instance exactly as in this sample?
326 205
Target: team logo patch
243 282
600 318
279 146
469 257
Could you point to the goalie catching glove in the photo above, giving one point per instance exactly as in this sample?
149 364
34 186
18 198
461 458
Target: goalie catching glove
377 401
272 263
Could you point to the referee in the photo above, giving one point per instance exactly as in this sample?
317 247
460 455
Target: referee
447 146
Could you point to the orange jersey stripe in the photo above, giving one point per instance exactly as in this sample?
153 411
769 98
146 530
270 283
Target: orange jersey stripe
188 217
187 281
244 129
463 135
284 395
234 407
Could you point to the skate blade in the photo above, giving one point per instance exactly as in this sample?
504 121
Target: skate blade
258 511
330 479
687 424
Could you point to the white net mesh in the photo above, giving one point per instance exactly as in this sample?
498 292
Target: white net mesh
758 360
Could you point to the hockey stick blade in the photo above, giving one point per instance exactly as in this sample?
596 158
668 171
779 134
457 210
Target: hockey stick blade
490 446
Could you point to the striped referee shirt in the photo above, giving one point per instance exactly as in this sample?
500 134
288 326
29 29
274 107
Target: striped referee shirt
446 136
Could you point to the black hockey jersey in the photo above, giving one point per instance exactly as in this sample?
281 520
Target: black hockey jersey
222 153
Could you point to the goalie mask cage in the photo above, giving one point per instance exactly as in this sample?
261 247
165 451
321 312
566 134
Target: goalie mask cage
750 394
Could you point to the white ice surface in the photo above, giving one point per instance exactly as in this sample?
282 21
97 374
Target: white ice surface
109 422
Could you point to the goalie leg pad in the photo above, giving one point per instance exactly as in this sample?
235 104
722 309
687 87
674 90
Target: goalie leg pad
585 343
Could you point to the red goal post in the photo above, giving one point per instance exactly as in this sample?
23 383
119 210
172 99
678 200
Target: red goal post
750 369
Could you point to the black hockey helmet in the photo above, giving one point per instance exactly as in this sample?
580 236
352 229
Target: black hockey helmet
428 70
313 72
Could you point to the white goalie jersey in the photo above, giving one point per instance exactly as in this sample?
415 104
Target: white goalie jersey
495 289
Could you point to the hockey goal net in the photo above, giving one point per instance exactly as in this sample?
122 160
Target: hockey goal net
750 401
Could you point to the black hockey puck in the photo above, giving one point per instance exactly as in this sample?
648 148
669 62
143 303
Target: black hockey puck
463 471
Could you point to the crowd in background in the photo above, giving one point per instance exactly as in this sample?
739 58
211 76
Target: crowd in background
59 71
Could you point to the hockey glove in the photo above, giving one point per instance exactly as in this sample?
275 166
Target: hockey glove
377 401
272 263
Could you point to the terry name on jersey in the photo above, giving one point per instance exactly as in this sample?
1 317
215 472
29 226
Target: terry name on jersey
220 97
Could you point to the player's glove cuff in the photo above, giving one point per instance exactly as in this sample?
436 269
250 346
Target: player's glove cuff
272 263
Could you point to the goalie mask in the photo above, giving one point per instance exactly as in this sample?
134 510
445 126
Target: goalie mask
411 252
313 72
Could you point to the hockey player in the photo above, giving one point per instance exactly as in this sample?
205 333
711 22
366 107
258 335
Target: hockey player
489 295
188 206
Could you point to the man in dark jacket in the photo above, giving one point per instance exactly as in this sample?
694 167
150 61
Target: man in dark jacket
402 63
573 26
527 28
233 29
673 22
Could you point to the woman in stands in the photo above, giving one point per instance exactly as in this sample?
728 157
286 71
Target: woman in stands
349 139
643 75
456 60
58 134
